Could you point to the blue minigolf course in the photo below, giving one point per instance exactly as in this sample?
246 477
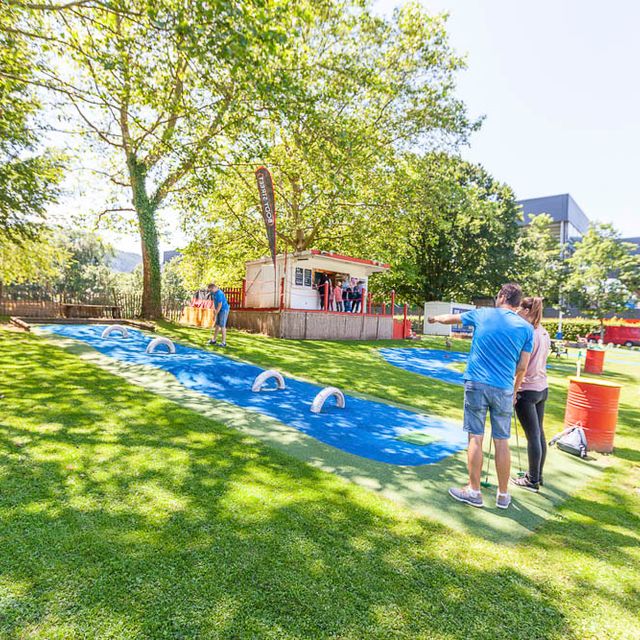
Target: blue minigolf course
432 363
364 428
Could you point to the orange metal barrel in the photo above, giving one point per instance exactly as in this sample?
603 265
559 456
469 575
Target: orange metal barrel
593 405
594 362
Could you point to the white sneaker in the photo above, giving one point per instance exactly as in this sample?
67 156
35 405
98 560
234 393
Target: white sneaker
467 495
503 500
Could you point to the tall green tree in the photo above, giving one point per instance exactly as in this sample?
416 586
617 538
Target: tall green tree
447 228
159 85
368 88
540 265
28 175
604 273
87 270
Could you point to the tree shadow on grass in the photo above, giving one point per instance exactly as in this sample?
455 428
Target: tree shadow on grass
123 515
423 488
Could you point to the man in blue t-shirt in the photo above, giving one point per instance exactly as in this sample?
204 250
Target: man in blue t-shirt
221 312
500 352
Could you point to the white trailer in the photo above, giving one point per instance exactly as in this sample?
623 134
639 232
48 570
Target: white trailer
438 308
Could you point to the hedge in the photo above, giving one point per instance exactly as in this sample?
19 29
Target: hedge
571 327
574 327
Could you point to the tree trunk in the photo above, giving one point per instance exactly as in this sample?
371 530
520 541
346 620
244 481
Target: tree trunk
151 280
146 212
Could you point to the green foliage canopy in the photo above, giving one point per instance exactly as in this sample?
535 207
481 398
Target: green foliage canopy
447 228
364 89
541 269
153 85
604 274
28 179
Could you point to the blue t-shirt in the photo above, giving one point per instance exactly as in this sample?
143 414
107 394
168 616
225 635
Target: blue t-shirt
219 297
499 337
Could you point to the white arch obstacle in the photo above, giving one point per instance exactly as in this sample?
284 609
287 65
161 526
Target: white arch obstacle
161 342
115 327
261 378
327 392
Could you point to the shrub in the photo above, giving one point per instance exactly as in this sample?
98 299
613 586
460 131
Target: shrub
572 327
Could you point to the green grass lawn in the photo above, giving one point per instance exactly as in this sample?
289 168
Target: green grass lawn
126 515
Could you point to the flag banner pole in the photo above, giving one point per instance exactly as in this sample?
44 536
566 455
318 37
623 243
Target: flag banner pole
268 207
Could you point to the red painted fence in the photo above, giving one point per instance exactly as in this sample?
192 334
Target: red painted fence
235 297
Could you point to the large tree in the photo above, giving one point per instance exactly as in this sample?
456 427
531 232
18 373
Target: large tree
368 88
161 84
28 175
540 265
447 227
604 272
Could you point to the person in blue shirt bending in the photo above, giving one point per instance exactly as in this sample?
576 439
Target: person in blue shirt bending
221 311
500 351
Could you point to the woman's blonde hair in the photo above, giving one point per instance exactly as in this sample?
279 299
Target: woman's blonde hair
533 307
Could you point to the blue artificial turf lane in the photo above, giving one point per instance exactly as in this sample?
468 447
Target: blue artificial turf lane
364 428
428 362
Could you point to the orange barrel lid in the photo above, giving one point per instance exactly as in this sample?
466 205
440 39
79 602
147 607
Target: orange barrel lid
597 381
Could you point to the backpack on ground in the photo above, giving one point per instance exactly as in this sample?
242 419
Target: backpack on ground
573 440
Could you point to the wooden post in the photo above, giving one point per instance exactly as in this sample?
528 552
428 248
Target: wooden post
404 321
393 302
369 302
326 296
243 296
281 293
384 309
363 301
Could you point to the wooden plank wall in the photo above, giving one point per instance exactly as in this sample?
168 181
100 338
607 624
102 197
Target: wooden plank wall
301 325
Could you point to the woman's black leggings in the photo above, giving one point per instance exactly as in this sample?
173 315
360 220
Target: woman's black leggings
530 412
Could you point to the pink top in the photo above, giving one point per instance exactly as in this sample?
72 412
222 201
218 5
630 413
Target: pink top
536 377
337 294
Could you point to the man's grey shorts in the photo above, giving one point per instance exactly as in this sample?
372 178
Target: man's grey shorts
221 318
480 397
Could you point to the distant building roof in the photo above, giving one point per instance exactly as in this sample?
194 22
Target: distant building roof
561 208
635 241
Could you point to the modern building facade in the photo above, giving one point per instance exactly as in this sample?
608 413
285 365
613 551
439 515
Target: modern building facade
570 222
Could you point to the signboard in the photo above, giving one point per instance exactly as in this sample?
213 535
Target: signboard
299 276
458 328
307 277
268 205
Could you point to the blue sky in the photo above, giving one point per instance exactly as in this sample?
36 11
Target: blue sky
559 84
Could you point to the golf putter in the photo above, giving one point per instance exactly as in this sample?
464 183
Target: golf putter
486 482
521 473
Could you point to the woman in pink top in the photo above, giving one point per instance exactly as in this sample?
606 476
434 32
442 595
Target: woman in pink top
337 296
532 395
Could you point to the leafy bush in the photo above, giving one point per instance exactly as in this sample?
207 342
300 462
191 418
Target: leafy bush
571 328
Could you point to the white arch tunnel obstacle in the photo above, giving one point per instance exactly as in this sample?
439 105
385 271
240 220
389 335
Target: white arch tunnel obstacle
115 328
161 342
321 398
262 378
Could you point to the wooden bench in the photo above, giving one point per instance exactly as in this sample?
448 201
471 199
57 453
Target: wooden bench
90 311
